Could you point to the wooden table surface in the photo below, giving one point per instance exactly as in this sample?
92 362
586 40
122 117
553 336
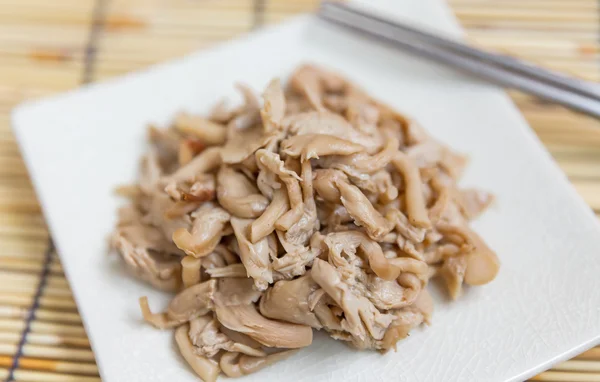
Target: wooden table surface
51 46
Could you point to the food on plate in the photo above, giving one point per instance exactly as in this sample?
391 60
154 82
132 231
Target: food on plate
318 207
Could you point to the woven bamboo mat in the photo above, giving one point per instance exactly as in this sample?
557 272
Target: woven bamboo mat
51 46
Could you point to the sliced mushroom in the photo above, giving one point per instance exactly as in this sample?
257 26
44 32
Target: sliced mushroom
273 163
288 300
205 368
238 195
236 291
206 161
246 319
359 312
233 270
362 211
235 367
209 132
209 340
311 146
264 225
482 263
254 256
273 110
206 233
415 203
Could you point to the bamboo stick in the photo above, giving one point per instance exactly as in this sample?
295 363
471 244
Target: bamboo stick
45 339
590 191
52 352
31 288
560 376
26 300
39 376
74 330
592 354
50 365
40 314
52 280
578 27
578 366
516 5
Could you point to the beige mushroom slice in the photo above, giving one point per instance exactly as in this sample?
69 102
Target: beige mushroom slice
190 270
324 182
233 270
307 82
386 190
205 368
234 367
415 203
206 161
387 295
288 300
150 173
273 163
482 263
331 124
362 211
264 225
387 269
188 304
162 272
156 215
274 106
165 146
256 257
208 339
277 334
453 273
403 226
209 132
206 233
238 195
313 146
359 312
473 202
236 291
436 211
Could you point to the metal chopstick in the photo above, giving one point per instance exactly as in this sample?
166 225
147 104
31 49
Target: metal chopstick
502 70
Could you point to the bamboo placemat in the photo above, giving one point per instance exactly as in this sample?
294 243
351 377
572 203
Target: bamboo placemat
51 46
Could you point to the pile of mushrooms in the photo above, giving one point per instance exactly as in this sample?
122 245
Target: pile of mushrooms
317 207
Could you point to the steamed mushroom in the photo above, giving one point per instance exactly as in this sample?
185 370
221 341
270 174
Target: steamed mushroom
288 300
320 207
361 316
311 146
278 334
206 233
256 257
188 304
206 368
246 364
238 195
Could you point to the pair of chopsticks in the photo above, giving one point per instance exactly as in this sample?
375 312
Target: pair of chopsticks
500 69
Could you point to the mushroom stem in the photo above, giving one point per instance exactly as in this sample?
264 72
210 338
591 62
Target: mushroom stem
207 369
190 271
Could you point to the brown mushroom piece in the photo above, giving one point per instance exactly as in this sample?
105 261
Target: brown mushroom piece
331 124
288 300
209 132
482 263
208 339
278 334
313 146
233 270
359 312
205 368
415 203
274 106
264 225
238 195
137 248
273 163
188 304
207 230
362 211
256 257
234 367
206 161
236 291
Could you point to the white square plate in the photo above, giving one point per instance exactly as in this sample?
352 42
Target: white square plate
543 307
